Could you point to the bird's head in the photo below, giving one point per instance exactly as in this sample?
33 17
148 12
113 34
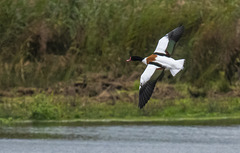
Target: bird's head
135 58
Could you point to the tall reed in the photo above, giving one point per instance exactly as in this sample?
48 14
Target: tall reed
43 42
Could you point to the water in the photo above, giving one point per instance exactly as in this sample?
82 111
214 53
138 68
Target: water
120 139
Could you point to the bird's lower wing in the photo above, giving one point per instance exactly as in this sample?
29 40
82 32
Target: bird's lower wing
147 88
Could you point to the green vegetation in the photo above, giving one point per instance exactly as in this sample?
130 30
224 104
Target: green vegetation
44 44
54 107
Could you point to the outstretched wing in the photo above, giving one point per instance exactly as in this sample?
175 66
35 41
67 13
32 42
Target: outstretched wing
167 43
152 74
148 81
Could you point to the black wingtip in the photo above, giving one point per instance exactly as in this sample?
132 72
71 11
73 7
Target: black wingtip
142 102
140 107
176 33
145 93
181 25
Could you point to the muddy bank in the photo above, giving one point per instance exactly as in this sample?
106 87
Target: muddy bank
104 87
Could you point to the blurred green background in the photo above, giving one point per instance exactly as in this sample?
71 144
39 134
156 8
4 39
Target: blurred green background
45 42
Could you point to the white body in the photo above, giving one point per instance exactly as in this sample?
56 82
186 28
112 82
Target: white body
169 63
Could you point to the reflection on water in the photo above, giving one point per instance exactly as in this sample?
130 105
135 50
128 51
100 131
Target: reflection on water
120 139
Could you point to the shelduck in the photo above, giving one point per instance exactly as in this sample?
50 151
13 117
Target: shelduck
156 63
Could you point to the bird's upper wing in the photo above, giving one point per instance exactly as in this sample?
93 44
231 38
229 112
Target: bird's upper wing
167 43
147 83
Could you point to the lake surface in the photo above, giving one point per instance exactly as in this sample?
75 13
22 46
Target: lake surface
119 139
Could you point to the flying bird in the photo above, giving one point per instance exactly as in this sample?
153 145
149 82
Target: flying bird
157 62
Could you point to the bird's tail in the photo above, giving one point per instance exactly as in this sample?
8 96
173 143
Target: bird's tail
179 64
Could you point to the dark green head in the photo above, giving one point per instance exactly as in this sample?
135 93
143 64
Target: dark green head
135 58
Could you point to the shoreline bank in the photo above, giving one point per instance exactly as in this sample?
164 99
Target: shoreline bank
201 121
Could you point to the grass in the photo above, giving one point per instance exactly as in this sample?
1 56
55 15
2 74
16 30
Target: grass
54 107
